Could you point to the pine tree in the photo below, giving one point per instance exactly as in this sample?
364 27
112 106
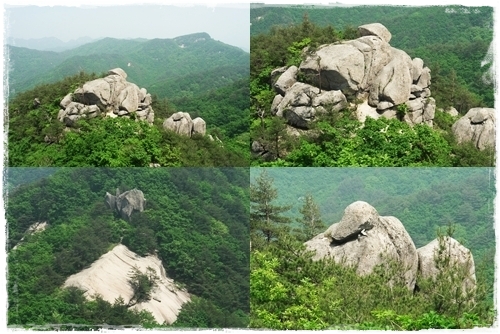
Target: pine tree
266 220
311 218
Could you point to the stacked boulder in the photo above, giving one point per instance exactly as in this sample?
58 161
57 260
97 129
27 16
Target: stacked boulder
182 124
364 240
386 79
477 126
112 96
458 255
126 203
361 238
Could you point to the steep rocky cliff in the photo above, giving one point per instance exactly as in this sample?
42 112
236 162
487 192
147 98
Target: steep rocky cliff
109 277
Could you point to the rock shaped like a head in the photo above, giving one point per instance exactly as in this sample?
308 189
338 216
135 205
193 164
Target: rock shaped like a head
118 71
375 29
357 217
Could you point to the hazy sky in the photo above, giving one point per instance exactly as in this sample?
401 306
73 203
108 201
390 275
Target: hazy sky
228 23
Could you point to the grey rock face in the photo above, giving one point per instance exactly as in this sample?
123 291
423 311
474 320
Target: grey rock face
375 29
356 216
361 238
335 67
302 102
118 71
199 126
126 203
393 83
276 101
286 80
459 256
181 123
418 66
112 95
452 111
421 110
66 101
477 126
258 150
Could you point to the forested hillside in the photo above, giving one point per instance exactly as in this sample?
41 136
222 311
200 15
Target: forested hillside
290 291
454 42
195 220
36 137
193 73
164 66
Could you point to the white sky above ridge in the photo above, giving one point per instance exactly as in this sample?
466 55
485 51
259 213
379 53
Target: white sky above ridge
226 23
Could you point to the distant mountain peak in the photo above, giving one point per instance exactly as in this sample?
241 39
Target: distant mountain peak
192 38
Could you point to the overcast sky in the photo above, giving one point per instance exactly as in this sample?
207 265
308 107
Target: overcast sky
228 23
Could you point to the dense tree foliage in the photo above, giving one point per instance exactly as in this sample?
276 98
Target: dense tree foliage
196 220
37 137
459 79
267 219
290 291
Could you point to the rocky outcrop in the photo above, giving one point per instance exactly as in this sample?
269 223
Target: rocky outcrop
367 69
302 102
199 126
112 96
34 228
109 275
364 239
452 111
126 203
477 126
182 124
459 256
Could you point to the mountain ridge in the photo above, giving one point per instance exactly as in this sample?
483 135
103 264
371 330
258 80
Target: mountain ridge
180 55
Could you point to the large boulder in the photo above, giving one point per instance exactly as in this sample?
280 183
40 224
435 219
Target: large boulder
182 124
286 80
109 278
364 239
420 110
477 126
199 126
302 102
394 82
460 258
375 29
335 67
126 203
112 95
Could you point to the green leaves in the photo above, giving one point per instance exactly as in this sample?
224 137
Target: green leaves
379 143
267 221
142 284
